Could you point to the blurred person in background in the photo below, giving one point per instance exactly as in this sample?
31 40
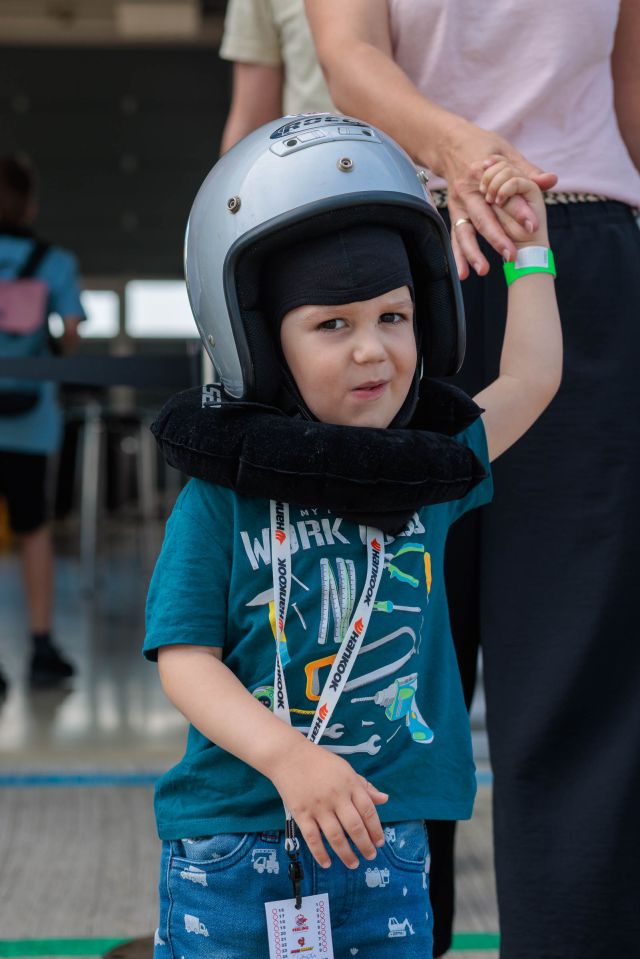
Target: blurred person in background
36 279
545 581
275 70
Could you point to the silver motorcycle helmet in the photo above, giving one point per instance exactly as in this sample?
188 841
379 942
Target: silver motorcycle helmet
292 179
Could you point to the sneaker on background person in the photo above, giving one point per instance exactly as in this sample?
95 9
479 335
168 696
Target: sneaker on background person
47 668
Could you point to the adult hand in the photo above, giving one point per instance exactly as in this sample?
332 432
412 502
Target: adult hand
464 158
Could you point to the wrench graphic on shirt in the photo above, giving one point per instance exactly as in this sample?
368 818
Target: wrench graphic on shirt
335 731
371 746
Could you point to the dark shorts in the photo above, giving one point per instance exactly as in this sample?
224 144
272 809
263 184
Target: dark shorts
22 483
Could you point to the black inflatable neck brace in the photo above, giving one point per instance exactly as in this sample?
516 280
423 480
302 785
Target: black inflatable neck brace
375 476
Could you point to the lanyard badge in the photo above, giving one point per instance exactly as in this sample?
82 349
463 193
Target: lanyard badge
344 660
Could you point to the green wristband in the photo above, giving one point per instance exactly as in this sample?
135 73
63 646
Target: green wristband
530 259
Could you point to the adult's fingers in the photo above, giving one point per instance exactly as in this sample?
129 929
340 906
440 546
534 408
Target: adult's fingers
462 264
484 222
487 224
465 245
546 181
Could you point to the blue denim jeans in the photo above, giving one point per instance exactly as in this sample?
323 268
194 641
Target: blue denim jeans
213 891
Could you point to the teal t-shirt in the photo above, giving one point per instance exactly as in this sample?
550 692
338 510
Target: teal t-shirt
401 721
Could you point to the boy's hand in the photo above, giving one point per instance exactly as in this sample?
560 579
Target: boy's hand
531 359
501 183
326 796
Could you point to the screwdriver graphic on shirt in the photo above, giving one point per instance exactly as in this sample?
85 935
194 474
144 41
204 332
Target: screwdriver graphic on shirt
399 701
386 606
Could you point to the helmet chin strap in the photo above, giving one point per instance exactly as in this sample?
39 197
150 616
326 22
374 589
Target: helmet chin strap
289 398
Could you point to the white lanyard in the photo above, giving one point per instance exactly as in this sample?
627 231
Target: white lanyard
281 569
353 637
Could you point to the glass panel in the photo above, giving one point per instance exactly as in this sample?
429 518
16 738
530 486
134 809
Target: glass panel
158 309
102 309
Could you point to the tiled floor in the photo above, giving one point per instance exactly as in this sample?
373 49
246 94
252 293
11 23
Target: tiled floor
78 859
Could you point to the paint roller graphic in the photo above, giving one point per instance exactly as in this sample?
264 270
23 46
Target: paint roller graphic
399 702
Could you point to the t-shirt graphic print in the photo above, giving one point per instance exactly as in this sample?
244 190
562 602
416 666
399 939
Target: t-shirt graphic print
400 721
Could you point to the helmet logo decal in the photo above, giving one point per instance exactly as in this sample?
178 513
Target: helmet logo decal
211 396
316 119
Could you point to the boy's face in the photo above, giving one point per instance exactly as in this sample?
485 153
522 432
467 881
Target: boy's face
353 364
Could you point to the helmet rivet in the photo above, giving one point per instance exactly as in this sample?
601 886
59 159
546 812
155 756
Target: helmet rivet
211 341
345 164
233 204
423 176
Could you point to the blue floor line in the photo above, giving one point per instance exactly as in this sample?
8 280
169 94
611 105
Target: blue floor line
95 778
62 778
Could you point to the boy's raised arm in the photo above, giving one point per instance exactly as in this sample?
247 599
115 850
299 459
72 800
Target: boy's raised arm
531 360
324 794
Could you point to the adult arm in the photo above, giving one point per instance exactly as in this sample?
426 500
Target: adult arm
256 99
625 65
65 297
322 791
354 48
531 359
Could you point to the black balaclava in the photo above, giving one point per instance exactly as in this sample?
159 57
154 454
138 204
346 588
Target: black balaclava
358 263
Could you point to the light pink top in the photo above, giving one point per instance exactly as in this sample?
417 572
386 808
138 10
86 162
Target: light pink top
537 72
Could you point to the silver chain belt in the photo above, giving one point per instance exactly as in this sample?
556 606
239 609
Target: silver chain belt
551 199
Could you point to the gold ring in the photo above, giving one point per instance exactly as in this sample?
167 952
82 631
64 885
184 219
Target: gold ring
460 221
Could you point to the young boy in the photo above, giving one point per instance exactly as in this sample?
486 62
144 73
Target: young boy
338 293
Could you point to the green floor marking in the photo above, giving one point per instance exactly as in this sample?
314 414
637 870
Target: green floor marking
58 947
470 941
10 948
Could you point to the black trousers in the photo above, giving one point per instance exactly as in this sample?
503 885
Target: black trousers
546 580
